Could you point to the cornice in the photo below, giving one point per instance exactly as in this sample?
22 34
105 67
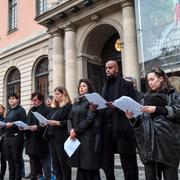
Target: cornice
125 3
23 45
61 16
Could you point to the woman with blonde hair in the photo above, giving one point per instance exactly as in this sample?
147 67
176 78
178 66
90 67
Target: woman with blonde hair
57 132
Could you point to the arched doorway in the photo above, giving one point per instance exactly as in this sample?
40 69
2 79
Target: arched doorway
102 43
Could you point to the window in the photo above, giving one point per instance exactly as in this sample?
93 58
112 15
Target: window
41 6
12 15
41 77
13 82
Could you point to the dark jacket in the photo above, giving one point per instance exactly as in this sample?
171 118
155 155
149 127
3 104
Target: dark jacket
158 137
59 133
35 144
2 130
121 127
82 119
15 114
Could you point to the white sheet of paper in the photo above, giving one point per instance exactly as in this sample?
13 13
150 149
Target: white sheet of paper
96 99
70 146
126 103
2 123
40 118
21 124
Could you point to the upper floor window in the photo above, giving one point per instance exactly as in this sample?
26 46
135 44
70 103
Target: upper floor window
41 6
13 82
12 15
41 77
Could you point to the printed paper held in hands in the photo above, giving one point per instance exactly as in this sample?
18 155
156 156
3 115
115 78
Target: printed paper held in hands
70 146
126 103
40 118
96 99
2 124
21 124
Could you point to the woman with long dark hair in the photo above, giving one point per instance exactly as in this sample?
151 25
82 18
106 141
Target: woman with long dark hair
157 130
81 126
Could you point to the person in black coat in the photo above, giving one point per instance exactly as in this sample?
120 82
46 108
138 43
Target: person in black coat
81 126
14 138
157 130
36 147
57 132
2 150
116 133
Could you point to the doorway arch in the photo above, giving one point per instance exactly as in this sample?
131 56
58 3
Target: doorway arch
98 47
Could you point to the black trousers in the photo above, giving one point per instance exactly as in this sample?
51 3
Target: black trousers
59 158
153 171
13 151
86 174
45 164
3 160
128 160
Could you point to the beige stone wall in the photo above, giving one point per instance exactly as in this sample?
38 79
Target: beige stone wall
24 60
113 19
24 54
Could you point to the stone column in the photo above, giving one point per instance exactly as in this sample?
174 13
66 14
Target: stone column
82 66
70 61
58 59
131 63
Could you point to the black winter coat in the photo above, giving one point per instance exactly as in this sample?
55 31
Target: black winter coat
2 130
158 139
121 127
35 144
82 119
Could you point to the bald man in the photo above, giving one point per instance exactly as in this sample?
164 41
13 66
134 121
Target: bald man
117 133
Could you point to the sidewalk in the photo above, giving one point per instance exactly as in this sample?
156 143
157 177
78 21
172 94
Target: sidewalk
118 170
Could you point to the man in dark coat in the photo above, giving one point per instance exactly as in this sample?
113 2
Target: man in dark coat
36 147
117 133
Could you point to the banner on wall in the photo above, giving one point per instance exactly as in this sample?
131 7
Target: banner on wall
158 32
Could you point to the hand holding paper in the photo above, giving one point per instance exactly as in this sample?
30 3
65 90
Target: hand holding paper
21 125
70 146
96 99
40 118
126 103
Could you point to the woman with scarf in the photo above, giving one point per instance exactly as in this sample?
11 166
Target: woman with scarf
81 126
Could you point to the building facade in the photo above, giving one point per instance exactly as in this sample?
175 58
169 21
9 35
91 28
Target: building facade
60 41
85 34
24 63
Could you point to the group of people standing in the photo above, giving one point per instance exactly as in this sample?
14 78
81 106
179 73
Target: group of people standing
102 133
